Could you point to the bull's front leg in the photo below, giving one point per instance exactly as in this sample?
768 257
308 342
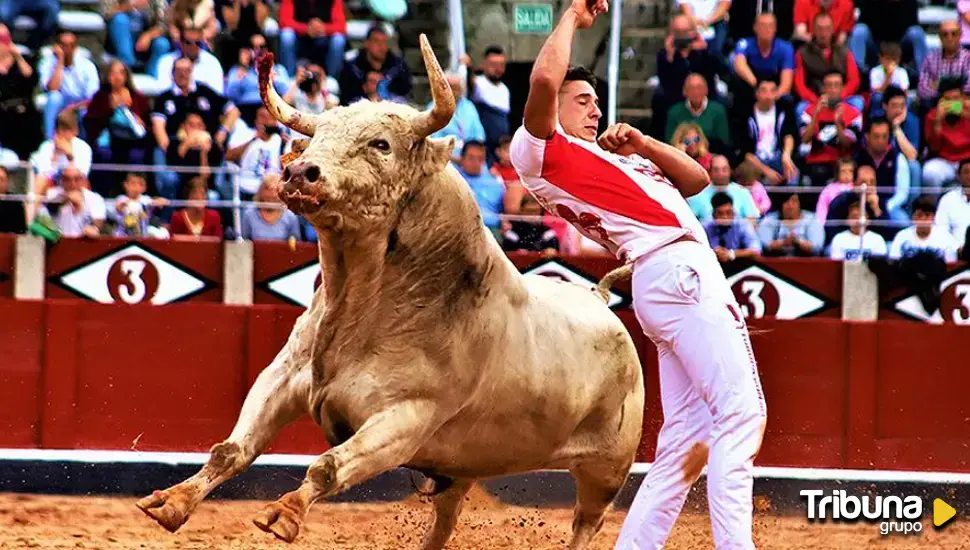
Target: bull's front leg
387 440
278 397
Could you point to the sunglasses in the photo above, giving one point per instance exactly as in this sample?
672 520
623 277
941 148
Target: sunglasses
692 141
949 34
192 42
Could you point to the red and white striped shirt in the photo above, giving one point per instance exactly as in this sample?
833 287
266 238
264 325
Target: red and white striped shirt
625 204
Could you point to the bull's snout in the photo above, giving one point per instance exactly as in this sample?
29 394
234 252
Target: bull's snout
298 175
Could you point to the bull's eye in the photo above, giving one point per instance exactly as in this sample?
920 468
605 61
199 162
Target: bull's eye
381 145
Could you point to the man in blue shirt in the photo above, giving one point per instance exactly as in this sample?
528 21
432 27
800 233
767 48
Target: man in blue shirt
489 191
465 124
762 57
70 80
731 238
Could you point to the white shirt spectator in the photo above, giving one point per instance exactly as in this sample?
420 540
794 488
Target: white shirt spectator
953 214
79 82
703 10
46 164
260 158
72 223
207 70
495 94
899 78
845 246
907 243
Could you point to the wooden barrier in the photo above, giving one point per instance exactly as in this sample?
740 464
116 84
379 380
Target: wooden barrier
885 395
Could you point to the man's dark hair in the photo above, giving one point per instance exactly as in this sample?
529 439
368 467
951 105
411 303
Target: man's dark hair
504 140
471 143
376 28
766 80
580 73
721 199
832 72
891 93
948 83
925 204
878 121
494 49
820 15
963 162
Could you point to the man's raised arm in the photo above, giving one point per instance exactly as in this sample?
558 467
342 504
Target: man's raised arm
542 106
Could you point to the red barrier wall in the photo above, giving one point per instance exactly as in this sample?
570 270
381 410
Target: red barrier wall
82 375
7 248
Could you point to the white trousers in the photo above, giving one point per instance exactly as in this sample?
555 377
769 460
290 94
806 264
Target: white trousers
711 396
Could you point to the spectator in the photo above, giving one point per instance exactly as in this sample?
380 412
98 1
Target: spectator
193 147
375 55
314 30
269 221
205 66
117 125
530 235
240 20
242 85
763 57
13 214
709 17
883 21
819 58
709 115
133 209
856 243
308 91
69 79
769 140
963 10
43 12
875 208
732 238
196 222
747 175
947 135
953 212
841 13
19 119
950 62
743 13
832 129
372 86
137 32
684 53
844 181
503 168
896 108
258 154
891 166
888 72
172 108
689 138
193 14
65 150
923 235
488 190
491 96
465 125
700 204
790 231
76 210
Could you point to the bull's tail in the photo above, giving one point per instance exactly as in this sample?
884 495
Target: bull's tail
603 288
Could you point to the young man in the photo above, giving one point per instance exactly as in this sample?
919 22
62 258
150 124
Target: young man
626 192
922 236
732 238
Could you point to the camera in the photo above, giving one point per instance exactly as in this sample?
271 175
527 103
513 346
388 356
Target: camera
832 102
953 112
682 42
309 81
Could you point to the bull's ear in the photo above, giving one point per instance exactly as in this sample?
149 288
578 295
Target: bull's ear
437 154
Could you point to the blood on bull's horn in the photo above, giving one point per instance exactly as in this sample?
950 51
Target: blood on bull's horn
443 106
303 123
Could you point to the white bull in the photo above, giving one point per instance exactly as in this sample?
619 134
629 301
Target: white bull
424 346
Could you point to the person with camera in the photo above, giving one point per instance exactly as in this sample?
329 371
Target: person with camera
257 154
816 59
308 91
832 127
20 129
242 83
947 134
684 53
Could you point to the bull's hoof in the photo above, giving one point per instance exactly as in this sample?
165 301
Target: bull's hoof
282 521
169 508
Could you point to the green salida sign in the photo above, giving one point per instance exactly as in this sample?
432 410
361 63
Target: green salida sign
533 18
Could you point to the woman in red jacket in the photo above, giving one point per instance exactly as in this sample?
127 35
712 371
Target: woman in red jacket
116 125
196 222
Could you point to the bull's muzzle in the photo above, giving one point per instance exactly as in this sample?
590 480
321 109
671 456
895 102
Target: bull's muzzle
302 182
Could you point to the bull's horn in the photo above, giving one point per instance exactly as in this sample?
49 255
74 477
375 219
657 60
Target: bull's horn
297 121
443 107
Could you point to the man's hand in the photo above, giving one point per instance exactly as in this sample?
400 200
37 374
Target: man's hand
789 166
316 28
160 201
75 197
899 120
839 121
91 232
622 139
587 10
58 53
121 205
723 254
64 146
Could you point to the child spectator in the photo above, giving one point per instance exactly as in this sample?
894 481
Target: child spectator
790 231
193 147
747 176
531 235
133 210
689 138
196 222
267 222
888 72
13 215
923 236
731 238
844 181
853 244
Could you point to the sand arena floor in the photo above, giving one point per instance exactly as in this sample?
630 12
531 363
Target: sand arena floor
56 522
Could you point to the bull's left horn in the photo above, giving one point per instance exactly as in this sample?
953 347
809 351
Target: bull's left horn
443 107
297 121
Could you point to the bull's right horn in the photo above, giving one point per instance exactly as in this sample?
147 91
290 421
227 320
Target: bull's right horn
443 106
281 111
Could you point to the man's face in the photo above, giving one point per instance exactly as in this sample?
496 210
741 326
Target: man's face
257 42
473 160
72 179
896 107
923 220
68 43
832 86
377 46
824 31
579 111
456 85
370 85
182 74
878 139
680 27
950 36
695 90
765 94
965 176
264 119
494 67
866 176
724 214
765 27
720 171
191 43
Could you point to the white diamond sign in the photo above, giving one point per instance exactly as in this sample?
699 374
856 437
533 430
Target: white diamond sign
556 270
954 302
764 294
132 275
297 286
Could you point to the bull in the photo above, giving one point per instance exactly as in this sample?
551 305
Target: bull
424 346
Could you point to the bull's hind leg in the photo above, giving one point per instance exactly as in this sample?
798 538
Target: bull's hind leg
277 398
597 484
387 440
447 507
